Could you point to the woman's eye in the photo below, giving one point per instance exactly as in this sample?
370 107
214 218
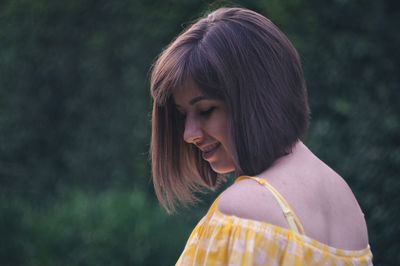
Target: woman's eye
180 112
207 112
183 115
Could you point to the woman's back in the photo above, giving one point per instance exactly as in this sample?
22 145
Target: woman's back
319 197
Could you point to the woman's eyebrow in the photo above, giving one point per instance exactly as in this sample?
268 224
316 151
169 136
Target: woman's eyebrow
198 98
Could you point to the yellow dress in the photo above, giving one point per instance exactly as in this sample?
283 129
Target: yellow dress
220 239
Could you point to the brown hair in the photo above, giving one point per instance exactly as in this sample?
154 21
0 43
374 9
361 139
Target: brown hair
241 57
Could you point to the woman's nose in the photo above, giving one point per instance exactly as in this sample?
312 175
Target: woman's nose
193 132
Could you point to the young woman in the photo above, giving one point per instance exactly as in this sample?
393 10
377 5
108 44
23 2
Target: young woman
229 96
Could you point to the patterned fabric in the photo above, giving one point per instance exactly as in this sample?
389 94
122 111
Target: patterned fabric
220 239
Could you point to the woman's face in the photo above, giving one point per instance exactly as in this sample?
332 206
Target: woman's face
206 126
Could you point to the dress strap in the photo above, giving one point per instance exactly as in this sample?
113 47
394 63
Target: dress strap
291 218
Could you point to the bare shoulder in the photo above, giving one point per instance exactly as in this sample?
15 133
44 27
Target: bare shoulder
249 200
320 198
326 208
346 221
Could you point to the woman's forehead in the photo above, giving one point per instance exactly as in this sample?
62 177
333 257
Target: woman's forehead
187 91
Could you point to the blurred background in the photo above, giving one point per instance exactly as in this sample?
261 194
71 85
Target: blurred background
75 185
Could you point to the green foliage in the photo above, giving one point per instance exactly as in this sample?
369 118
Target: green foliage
115 227
75 111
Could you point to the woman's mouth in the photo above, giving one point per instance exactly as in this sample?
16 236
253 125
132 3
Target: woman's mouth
210 151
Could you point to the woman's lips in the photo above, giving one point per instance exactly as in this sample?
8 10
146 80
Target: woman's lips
208 154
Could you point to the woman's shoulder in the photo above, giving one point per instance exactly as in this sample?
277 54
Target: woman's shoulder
325 206
247 199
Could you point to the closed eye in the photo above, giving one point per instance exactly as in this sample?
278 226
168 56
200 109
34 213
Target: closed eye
180 111
208 111
182 114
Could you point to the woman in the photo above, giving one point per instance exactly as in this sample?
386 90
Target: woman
229 96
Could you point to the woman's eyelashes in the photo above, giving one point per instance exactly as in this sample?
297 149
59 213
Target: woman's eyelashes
207 112
181 113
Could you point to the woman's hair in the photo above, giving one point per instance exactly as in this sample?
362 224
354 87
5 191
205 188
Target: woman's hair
241 57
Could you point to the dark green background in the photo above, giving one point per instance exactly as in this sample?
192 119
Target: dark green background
75 122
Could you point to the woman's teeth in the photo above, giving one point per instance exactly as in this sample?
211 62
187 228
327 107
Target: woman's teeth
210 148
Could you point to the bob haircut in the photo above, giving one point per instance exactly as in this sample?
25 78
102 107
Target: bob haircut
241 57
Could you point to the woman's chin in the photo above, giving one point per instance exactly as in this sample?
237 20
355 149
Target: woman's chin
221 169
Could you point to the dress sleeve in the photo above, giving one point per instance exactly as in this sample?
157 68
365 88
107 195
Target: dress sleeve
229 240
235 241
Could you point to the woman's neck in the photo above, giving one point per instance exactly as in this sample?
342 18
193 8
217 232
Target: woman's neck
297 159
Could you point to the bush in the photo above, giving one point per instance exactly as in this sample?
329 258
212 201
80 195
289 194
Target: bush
109 228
